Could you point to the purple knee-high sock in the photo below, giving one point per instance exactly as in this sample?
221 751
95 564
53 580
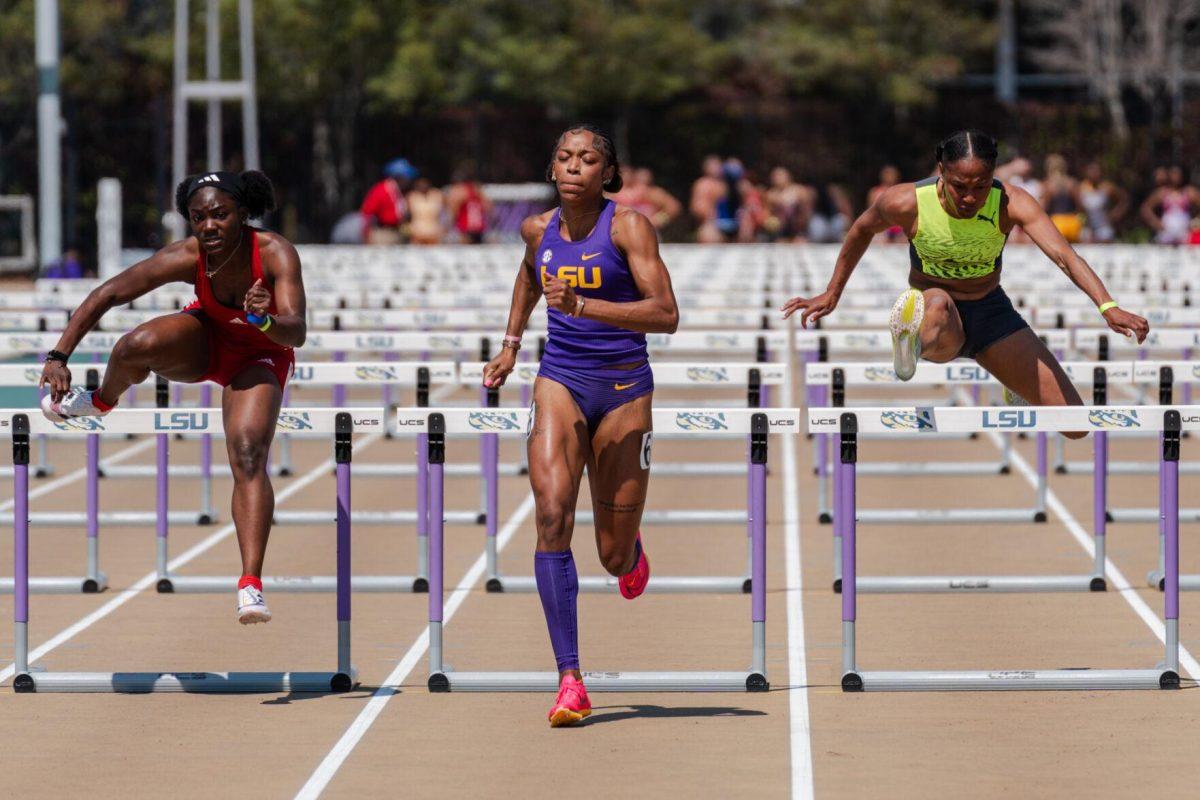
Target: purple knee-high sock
558 586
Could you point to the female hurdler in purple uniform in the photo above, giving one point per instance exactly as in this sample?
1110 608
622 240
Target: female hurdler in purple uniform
606 286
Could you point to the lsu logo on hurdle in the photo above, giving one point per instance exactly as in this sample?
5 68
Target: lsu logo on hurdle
698 421
907 420
81 424
1112 418
493 421
294 422
375 373
446 343
879 374
302 372
708 375
181 421
1009 418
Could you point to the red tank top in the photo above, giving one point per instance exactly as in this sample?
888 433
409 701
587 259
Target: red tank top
229 324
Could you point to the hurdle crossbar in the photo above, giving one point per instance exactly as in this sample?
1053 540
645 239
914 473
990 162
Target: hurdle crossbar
340 423
847 425
437 423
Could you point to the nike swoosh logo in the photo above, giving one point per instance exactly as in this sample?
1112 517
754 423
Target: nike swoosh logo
620 387
588 257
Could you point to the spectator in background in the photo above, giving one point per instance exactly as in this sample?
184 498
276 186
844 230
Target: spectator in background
752 211
1060 198
728 219
639 192
1170 207
708 191
1019 172
889 176
425 204
68 266
385 209
469 206
1103 202
831 213
789 207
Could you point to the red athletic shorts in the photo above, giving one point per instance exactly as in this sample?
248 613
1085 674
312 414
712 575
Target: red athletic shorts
225 362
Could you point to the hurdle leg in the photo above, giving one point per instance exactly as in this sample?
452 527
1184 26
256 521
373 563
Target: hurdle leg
1039 511
490 442
43 452
1006 455
95 579
438 682
1169 457
1157 578
207 513
1060 455
837 515
756 681
285 441
161 506
1099 506
338 393
848 455
344 679
22 682
821 455
421 584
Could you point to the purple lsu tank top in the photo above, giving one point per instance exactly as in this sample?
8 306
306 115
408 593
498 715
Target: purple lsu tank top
596 269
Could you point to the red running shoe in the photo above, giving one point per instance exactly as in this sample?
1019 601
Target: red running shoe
572 703
634 582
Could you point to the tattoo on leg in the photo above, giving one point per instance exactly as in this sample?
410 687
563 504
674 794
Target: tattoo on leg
619 508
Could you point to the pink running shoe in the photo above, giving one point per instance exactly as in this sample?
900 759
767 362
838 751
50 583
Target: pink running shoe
634 582
572 704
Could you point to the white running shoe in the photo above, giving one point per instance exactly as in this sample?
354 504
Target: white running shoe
75 403
905 325
1013 399
251 606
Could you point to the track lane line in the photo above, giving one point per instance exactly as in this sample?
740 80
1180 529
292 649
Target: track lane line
337 756
799 723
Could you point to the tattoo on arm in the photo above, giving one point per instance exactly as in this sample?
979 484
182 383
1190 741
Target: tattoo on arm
619 508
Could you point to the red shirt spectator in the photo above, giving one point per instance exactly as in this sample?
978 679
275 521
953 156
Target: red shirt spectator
384 208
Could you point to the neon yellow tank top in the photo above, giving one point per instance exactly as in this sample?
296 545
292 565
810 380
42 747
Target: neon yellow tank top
951 248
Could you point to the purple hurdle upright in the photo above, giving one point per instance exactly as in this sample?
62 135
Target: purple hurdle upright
1172 426
756 681
20 451
436 443
421 584
343 680
845 485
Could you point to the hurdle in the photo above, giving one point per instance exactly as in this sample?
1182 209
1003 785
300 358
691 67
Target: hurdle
753 376
848 425
311 422
338 422
757 424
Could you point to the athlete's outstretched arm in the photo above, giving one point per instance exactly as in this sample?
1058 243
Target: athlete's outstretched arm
657 311
1023 210
524 299
175 262
896 206
281 261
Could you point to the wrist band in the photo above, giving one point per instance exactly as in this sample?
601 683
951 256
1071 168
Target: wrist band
1106 306
579 302
511 344
263 323
508 337
56 355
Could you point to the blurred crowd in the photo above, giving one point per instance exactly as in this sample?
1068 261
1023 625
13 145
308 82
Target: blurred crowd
730 203
404 207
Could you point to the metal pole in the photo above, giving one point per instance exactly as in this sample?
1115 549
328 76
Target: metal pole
1006 53
50 127
212 71
179 138
249 77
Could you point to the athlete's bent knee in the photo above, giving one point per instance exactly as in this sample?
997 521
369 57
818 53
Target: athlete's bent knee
136 346
247 457
555 522
616 559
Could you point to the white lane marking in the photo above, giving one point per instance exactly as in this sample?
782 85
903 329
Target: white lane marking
151 578
332 762
1115 577
71 477
799 725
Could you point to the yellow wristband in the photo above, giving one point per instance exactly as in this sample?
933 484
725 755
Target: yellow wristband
1106 306
266 326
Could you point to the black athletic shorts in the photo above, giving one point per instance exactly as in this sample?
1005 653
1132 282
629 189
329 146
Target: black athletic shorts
987 320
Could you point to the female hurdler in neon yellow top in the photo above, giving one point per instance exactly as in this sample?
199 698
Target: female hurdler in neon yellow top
957 224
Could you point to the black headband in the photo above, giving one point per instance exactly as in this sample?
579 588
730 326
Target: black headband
229 182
